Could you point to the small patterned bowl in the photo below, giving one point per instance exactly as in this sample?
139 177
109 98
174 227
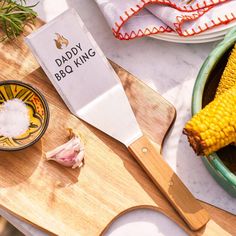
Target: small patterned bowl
221 164
38 114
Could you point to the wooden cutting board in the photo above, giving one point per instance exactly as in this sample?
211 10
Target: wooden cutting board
85 202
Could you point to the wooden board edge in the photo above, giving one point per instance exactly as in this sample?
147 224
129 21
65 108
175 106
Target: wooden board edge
174 112
27 221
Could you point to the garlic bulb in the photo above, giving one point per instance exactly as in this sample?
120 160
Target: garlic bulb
70 154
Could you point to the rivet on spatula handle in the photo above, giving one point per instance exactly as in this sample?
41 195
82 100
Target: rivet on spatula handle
169 183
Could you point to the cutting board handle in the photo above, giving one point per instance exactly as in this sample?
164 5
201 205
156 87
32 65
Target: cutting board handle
169 183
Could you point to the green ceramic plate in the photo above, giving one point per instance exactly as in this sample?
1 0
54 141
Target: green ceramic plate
221 165
37 110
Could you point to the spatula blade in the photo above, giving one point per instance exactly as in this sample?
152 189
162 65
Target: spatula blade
111 113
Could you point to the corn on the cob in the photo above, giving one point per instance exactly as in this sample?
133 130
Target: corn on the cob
228 78
215 125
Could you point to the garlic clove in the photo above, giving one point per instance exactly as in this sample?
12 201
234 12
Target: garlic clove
79 160
70 154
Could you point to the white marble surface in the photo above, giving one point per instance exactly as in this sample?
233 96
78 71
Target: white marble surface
171 70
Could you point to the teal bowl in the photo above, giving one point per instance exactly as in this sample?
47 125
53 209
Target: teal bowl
222 164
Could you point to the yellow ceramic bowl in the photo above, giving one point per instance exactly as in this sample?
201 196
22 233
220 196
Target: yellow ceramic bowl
38 114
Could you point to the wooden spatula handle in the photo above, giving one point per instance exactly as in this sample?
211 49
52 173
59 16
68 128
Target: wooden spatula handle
169 183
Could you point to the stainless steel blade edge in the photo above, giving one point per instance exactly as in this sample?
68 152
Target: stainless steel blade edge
112 113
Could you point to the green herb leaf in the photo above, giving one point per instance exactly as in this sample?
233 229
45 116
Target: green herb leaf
14 15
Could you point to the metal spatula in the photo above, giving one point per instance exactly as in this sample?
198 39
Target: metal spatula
94 93
104 105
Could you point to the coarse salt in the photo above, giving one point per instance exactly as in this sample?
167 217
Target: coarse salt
14 118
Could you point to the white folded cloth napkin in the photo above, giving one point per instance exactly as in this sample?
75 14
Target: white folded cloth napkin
137 18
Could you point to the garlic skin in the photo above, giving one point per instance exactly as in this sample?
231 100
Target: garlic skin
70 154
